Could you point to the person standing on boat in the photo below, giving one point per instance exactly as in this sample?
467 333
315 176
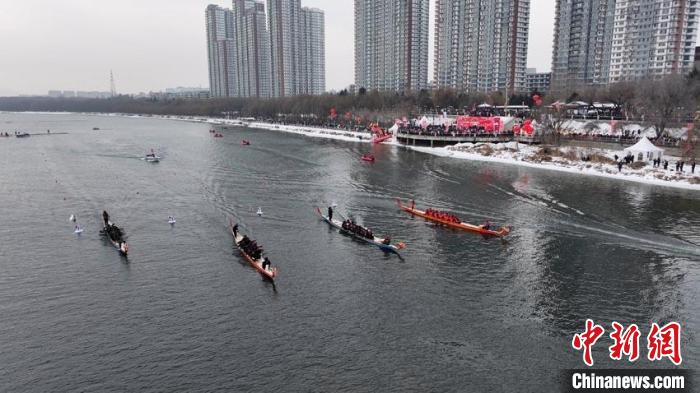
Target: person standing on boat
235 230
266 263
330 213
487 225
105 217
413 204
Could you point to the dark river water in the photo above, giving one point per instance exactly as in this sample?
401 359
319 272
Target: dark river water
458 313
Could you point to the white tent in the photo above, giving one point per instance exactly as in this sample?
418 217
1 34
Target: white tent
644 150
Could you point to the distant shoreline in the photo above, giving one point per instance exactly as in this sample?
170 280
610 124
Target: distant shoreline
358 137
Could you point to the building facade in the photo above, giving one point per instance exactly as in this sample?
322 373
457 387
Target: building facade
597 42
653 38
582 42
313 52
252 57
391 44
220 50
537 81
481 45
297 42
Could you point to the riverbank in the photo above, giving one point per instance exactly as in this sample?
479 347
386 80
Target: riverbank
563 160
567 159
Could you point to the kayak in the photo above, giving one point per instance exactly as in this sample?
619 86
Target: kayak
368 158
270 274
462 226
379 242
152 159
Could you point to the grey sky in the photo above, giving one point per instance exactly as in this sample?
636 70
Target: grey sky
154 44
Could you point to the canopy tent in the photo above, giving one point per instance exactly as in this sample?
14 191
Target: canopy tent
644 150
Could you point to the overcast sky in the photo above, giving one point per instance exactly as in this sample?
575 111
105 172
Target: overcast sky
155 44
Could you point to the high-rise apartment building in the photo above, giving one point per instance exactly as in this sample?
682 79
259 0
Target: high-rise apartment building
220 48
313 52
297 39
283 18
582 42
391 44
481 45
238 48
652 38
252 49
537 81
607 41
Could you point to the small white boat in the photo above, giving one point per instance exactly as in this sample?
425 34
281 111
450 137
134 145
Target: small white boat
171 220
152 158
260 212
78 230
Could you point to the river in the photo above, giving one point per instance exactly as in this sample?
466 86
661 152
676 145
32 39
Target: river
458 312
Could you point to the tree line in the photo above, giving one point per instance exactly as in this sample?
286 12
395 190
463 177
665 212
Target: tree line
660 102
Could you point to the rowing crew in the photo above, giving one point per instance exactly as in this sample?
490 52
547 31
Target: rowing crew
114 233
440 215
251 248
359 230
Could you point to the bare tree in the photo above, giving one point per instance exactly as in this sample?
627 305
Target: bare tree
623 95
664 102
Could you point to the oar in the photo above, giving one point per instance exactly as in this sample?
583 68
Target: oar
341 215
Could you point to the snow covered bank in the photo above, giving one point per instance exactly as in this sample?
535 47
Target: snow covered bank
566 160
605 127
315 132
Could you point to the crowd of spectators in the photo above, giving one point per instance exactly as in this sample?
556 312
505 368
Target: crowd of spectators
453 131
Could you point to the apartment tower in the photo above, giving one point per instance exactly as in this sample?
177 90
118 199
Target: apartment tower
391 44
481 45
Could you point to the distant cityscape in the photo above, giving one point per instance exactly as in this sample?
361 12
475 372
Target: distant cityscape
254 54
276 48
479 46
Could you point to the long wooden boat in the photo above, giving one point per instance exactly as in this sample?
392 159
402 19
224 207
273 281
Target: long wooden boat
377 241
270 274
381 138
503 231
122 247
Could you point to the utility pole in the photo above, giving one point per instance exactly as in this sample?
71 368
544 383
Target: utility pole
112 86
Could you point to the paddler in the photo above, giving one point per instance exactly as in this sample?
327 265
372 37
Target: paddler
330 213
486 225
